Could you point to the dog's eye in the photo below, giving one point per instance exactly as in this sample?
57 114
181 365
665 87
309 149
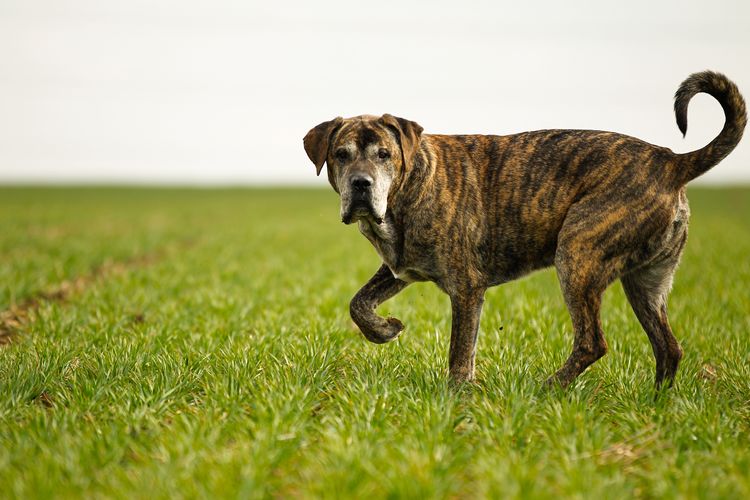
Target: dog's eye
342 155
383 154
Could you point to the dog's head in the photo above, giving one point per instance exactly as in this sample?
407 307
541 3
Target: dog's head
367 157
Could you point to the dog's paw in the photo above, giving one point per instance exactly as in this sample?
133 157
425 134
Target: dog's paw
395 326
389 330
459 379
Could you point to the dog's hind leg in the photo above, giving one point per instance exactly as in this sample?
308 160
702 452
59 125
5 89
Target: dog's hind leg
583 294
647 289
585 268
381 287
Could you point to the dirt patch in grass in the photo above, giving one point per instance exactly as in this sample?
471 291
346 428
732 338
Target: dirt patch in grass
15 317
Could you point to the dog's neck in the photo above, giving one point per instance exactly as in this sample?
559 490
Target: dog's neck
385 238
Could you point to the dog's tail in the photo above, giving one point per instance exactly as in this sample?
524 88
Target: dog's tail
691 165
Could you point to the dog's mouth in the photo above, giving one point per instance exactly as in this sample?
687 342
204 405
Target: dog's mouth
360 208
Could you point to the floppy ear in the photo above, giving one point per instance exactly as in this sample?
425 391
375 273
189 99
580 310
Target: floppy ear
317 140
408 133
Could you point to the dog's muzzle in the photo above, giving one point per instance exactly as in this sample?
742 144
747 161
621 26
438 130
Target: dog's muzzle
360 199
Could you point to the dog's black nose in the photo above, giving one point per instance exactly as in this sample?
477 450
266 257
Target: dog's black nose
361 182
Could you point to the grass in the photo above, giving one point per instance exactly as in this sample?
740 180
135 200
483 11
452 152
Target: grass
224 362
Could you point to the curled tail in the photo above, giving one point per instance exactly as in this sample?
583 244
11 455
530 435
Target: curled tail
696 163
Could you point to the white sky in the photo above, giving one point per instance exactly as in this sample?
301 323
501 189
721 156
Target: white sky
223 91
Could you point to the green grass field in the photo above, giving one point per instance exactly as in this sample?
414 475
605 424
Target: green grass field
197 343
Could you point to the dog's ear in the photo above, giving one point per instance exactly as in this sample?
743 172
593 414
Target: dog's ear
318 139
408 134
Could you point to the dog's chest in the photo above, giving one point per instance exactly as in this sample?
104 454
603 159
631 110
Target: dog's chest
385 240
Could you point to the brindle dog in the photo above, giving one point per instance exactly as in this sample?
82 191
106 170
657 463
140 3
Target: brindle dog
472 211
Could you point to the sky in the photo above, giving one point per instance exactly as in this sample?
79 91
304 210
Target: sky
222 92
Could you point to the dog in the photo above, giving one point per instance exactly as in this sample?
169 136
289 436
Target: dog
469 212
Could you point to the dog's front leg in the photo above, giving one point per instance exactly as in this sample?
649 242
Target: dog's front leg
381 287
467 309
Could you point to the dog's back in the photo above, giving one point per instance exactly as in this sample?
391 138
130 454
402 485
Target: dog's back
515 192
